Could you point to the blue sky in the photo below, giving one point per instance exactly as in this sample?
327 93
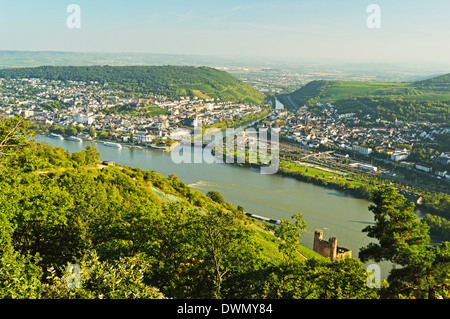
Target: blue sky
320 29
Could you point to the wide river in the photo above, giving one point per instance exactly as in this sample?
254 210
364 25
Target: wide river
337 214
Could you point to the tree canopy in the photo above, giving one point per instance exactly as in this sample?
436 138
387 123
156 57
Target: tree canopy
424 270
71 228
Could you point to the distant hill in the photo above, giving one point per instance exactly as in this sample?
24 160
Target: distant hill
411 101
171 81
307 94
439 84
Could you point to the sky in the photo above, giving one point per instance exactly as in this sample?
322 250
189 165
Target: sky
411 31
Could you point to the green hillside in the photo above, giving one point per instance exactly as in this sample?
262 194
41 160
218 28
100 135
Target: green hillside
137 234
438 84
415 101
74 227
171 81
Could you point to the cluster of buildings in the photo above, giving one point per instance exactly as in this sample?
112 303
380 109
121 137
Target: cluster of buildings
389 140
49 102
86 104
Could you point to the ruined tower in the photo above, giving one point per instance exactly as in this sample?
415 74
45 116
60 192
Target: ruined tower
329 248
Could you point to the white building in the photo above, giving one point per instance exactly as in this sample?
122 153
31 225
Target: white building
423 168
399 156
365 167
179 134
83 119
362 149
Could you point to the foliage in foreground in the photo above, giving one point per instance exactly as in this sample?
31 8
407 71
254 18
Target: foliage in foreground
136 234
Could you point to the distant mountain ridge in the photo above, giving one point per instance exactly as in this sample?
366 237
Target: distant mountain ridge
171 81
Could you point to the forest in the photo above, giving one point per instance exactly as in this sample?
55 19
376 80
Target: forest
169 81
133 233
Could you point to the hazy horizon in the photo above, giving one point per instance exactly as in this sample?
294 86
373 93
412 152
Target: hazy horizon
308 31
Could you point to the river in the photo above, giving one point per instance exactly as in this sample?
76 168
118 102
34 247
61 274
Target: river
270 195
274 196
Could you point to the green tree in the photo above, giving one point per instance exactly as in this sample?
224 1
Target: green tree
289 234
120 279
396 227
14 137
403 240
71 130
79 157
228 248
91 155
216 196
92 132
20 276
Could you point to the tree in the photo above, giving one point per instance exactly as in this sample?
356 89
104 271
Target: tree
14 136
229 250
120 279
72 130
289 235
92 132
19 275
79 157
216 196
403 240
91 155
396 226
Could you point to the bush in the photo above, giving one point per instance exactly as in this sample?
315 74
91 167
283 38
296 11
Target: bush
216 196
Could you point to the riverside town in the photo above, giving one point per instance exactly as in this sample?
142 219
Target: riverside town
223 158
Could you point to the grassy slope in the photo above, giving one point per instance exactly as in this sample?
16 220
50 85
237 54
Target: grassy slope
264 237
161 191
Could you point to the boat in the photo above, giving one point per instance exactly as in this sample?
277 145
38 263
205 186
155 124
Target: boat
75 139
53 135
261 218
112 144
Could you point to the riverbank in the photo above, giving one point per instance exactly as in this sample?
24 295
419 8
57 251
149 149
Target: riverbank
348 185
122 144
164 148
269 195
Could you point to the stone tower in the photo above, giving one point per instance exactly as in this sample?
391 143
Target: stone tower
329 248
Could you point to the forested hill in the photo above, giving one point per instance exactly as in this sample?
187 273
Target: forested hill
171 81
136 234
436 84
133 233
427 100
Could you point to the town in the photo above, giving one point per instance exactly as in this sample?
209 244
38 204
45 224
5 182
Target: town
389 144
95 111
88 106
